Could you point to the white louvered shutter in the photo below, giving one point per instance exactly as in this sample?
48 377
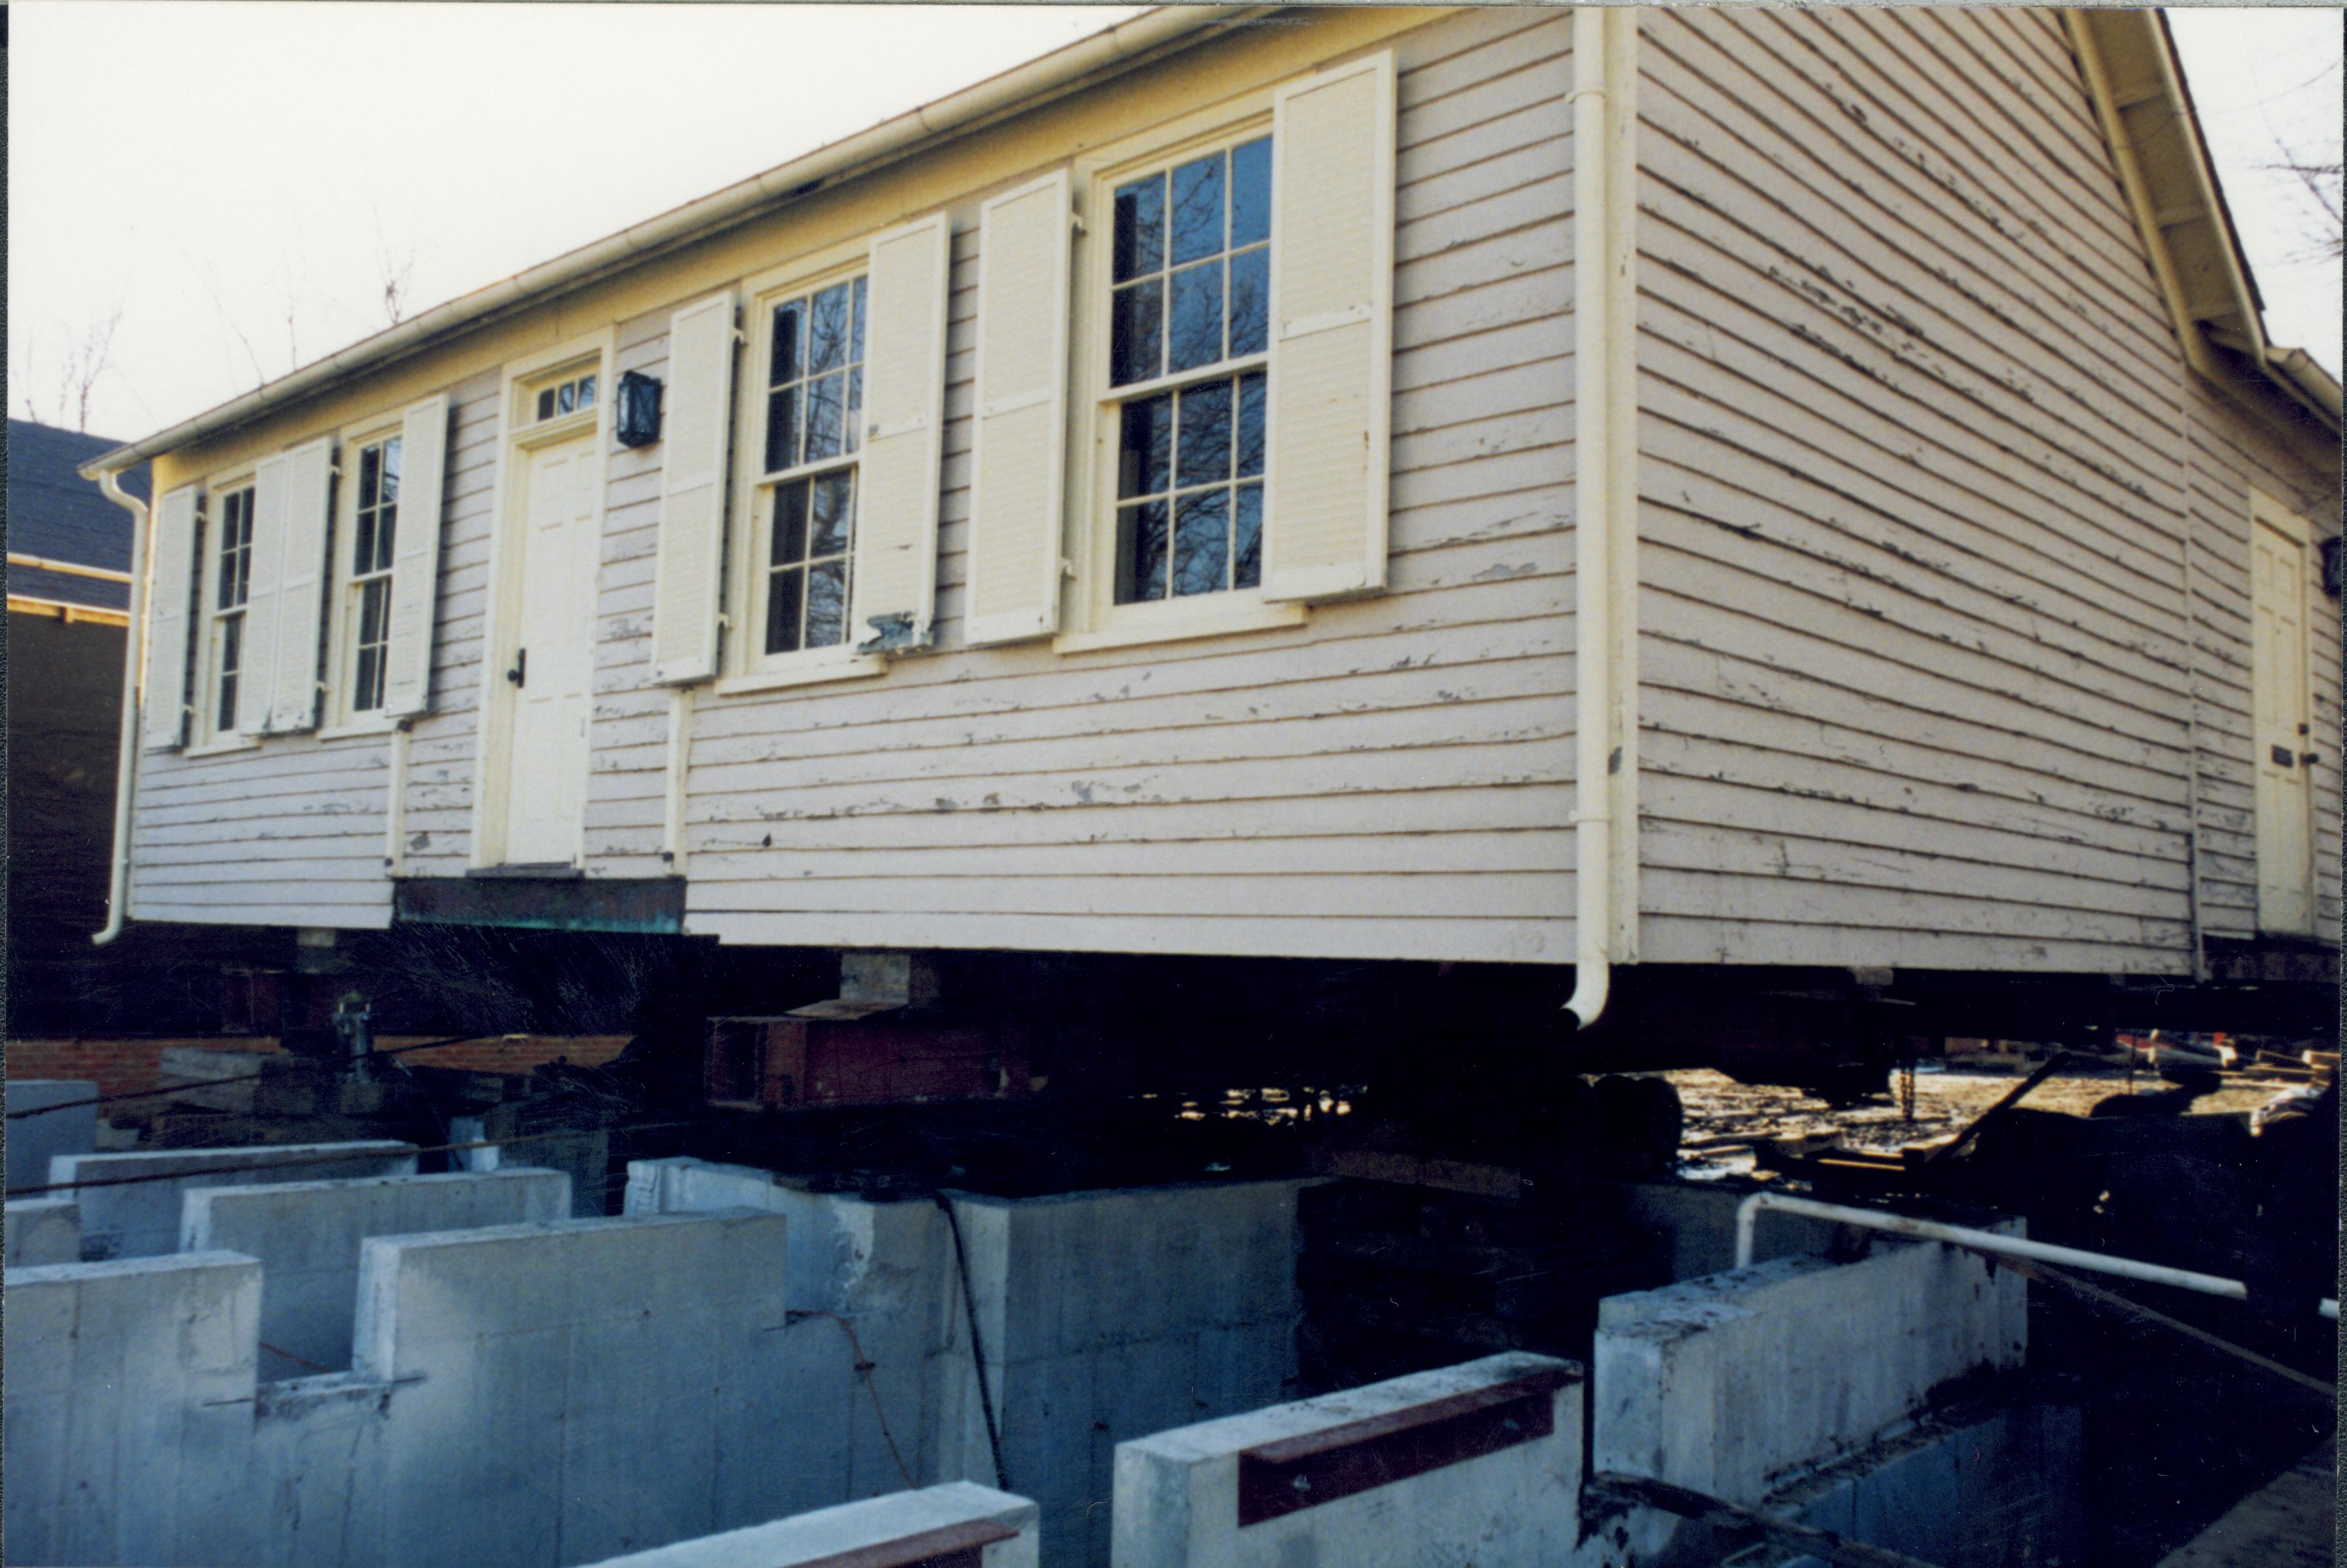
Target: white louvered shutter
301 587
895 591
256 686
1019 440
172 542
415 558
1332 333
691 565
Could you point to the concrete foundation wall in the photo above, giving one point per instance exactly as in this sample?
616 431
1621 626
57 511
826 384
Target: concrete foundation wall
315 1489
1700 1218
306 1235
142 1220
881 1271
1736 1382
868 1528
1177 1492
34 1141
573 1390
1110 1315
129 1413
1983 1490
43 1231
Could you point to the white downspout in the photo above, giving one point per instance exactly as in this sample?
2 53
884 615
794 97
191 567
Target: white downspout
133 657
1593 694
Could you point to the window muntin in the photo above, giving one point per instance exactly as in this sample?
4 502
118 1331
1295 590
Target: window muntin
566 397
1190 490
1190 265
807 489
367 592
231 576
1189 305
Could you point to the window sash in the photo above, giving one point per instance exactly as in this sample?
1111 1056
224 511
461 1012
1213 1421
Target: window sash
766 579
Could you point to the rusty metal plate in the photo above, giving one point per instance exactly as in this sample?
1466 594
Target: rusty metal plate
1300 1473
948 1546
544 903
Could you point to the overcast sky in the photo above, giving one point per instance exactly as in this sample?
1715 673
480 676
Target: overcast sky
239 180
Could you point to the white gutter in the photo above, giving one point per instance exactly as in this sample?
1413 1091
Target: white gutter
1054 75
1595 331
1748 1218
126 759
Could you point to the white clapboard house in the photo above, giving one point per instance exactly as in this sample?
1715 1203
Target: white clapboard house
1575 490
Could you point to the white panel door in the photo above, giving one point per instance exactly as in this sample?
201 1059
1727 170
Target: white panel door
2283 719
552 665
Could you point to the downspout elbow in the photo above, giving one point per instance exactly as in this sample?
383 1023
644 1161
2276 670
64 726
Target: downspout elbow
125 760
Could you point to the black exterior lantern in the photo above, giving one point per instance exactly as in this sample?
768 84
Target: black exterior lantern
637 415
2330 565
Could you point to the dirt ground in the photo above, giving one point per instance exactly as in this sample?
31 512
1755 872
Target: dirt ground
1721 1112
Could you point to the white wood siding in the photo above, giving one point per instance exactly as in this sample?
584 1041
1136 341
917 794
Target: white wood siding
1391 780
288 833
2230 452
442 749
1911 574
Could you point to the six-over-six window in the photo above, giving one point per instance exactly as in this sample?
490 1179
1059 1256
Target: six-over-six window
1189 318
806 496
367 609
231 580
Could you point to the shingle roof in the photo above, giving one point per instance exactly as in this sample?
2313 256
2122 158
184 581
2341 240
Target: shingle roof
56 514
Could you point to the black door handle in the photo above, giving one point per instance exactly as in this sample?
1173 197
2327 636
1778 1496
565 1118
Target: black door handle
519 673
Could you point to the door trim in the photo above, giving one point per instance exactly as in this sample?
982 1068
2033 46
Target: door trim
501 616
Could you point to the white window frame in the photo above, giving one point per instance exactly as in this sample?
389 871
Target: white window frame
342 608
744 665
1099 621
206 736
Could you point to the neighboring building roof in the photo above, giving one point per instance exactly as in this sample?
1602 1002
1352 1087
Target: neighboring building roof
56 515
2130 69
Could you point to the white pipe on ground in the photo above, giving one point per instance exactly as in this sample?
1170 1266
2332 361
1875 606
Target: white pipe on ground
126 757
1593 603
1748 1219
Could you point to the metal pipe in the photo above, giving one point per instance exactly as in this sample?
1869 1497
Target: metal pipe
1592 599
1747 1217
126 757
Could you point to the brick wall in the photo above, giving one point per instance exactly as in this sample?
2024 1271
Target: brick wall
129 1066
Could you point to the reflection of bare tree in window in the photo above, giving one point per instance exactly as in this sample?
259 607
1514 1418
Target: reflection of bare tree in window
1190 289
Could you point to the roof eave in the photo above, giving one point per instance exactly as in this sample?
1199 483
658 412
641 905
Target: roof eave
2129 62
1077 65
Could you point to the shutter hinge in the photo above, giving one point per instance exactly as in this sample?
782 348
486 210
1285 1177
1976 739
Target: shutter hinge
1076 219
1067 566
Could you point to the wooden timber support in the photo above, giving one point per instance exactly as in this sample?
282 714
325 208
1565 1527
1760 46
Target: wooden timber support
1722 1515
